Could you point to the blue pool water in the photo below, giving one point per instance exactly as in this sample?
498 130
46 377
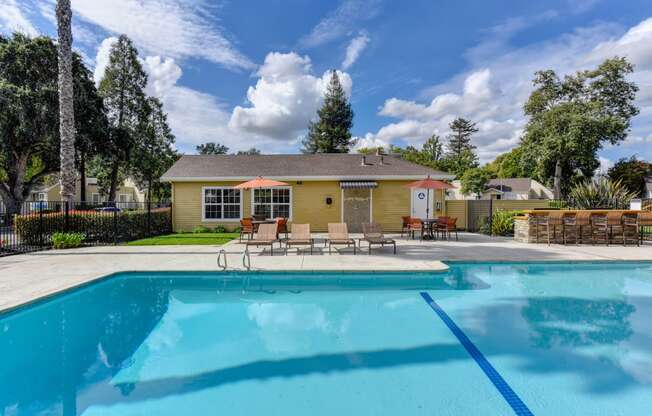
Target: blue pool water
482 339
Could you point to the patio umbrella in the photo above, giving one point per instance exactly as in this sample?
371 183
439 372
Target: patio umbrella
429 184
260 183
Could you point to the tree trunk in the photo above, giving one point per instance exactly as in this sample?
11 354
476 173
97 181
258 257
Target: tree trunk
556 190
113 188
68 175
82 178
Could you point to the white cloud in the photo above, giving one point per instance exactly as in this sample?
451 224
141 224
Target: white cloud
285 97
341 21
162 75
175 28
605 164
355 48
102 58
13 19
498 111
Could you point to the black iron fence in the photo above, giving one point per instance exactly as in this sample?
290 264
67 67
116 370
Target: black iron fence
31 227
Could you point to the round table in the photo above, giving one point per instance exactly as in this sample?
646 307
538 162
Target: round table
427 226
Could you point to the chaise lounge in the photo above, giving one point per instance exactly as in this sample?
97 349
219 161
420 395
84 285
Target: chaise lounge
373 235
266 236
300 236
338 234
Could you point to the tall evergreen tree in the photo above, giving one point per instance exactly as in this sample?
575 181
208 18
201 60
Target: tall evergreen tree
153 147
212 148
460 153
68 175
331 133
122 88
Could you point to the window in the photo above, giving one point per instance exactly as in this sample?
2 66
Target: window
41 196
95 199
273 202
123 198
221 204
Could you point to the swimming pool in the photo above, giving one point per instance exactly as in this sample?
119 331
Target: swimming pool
481 339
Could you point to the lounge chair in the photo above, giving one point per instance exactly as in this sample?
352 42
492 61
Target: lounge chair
300 236
338 234
373 235
266 236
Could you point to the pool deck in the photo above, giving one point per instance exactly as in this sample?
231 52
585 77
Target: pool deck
28 277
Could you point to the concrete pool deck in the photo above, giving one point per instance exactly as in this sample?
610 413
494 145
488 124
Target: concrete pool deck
28 277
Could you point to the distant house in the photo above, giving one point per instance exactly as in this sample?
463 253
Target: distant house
322 189
128 192
511 189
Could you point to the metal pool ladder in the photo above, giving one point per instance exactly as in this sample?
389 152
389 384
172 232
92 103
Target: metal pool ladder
221 255
246 260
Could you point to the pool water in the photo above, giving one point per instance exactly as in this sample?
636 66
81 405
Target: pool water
481 339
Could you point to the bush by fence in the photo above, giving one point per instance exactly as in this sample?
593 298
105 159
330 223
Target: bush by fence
98 226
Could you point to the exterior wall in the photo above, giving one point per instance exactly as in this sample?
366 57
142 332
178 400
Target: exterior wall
390 201
458 209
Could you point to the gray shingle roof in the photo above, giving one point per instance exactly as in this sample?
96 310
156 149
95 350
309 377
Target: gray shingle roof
511 184
339 166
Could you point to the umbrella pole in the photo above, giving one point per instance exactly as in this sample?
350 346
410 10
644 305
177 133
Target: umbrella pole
428 204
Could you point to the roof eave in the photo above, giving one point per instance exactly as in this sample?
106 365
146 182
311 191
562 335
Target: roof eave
441 176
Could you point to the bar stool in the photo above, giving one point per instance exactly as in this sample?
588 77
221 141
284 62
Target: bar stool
556 222
570 228
630 229
615 224
599 229
543 227
583 219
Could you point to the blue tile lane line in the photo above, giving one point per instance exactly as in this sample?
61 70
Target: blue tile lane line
505 390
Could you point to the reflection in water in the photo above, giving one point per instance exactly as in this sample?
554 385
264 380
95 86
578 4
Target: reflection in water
572 322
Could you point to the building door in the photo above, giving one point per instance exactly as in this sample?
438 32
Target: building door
356 205
420 202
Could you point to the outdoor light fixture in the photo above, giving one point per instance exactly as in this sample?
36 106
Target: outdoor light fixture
329 200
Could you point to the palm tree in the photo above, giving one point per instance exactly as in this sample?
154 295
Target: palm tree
66 105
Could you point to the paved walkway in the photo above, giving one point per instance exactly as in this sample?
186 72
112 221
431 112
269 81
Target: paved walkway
24 278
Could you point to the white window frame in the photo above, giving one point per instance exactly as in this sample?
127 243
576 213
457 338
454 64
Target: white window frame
126 201
99 198
203 205
252 203
41 196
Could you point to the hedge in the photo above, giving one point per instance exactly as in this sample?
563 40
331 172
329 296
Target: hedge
97 226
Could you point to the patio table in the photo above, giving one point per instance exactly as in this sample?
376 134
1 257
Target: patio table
427 226
257 223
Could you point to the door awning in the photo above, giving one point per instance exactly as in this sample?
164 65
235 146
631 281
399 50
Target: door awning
358 184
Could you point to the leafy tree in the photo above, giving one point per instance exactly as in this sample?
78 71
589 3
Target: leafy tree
123 91
212 148
252 151
331 133
154 147
68 176
29 123
510 165
571 119
474 181
433 149
460 155
631 173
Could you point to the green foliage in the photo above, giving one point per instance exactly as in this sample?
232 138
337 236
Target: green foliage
371 150
212 148
200 229
474 181
331 133
631 173
102 227
510 165
601 194
571 119
219 229
186 239
252 152
460 153
67 240
502 222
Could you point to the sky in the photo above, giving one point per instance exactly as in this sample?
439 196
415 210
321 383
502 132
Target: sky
253 73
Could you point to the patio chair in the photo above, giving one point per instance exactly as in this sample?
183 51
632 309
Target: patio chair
557 224
416 226
406 225
630 229
542 228
338 234
266 236
583 219
300 237
439 227
373 235
615 224
282 226
599 229
246 228
449 227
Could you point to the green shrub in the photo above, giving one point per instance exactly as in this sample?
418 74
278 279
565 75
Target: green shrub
67 240
200 229
601 194
97 226
502 222
220 229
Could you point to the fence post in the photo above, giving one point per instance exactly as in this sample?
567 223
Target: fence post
491 217
115 227
40 227
149 218
66 218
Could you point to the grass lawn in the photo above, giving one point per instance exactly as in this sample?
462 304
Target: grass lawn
186 239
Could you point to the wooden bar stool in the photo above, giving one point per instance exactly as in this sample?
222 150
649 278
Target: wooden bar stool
615 224
557 224
599 229
543 227
570 229
583 219
630 228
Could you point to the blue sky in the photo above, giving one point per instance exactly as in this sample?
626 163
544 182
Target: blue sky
253 73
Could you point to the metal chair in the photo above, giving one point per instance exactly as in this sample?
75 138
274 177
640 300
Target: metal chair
406 225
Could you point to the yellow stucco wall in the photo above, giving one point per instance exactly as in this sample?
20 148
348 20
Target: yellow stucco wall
390 201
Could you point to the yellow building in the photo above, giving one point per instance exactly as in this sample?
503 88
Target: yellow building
126 194
322 188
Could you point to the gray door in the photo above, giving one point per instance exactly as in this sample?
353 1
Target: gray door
479 212
357 205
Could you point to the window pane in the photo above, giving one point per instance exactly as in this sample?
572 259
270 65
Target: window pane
213 211
231 211
262 196
212 196
281 210
231 196
282 196
261 209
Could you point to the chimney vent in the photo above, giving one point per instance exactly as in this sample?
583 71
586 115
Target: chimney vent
364 161
382 160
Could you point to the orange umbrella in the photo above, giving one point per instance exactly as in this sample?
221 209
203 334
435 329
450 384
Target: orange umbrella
429 184
260 182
